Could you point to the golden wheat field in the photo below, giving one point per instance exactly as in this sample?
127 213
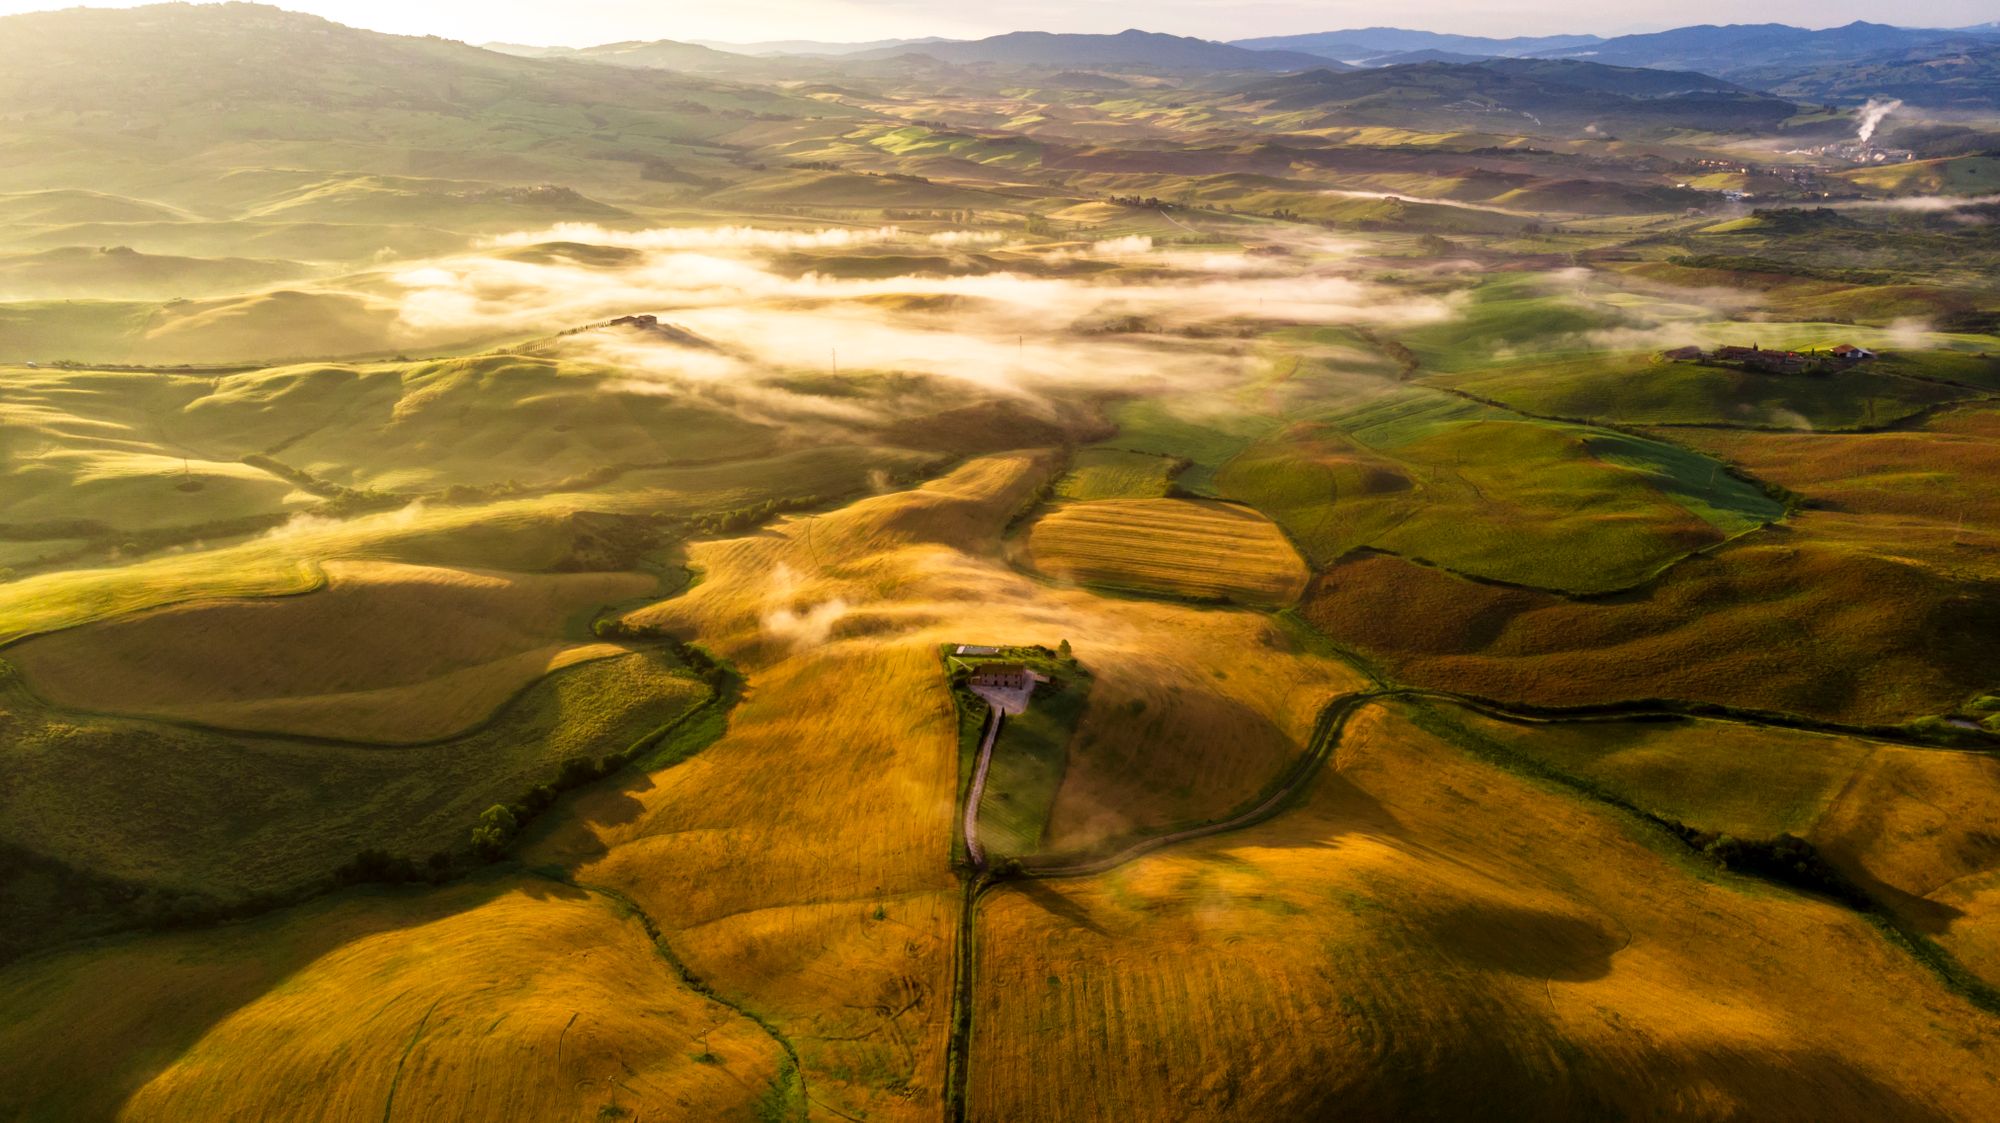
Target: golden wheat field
1914 828
1177 547
507 997
1431 937
385 652
1919 830
1743 780
767 858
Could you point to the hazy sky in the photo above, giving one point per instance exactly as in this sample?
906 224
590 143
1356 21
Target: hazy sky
587 22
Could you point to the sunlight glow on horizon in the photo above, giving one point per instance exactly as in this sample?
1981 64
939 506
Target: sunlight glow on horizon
590 22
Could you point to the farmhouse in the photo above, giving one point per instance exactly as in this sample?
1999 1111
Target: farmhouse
1755 357
1002 676
1848 353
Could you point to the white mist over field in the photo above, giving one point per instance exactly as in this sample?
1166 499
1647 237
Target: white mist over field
1118 314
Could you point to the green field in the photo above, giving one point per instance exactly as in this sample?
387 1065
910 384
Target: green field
1642 390
1110 473
291 811
1029 759
1493 495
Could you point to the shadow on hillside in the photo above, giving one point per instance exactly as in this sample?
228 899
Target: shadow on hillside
1500 1072
1522 941
159 994
1928 916
571 832
1052 901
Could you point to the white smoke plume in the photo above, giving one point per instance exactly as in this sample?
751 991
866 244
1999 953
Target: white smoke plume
1872 114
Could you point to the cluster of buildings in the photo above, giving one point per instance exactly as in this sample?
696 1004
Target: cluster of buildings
1862 152
1754 357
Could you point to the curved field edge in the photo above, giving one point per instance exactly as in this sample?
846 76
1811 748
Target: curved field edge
526 996
1287 789
1185 549
220 888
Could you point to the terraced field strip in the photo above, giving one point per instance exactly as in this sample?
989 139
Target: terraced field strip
1179 547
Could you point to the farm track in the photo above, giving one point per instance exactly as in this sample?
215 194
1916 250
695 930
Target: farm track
974 849
1325 742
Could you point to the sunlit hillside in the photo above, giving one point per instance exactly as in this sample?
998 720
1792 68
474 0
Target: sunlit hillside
1380 574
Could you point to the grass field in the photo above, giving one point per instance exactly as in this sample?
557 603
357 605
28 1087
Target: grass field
1913 828
1491 494
1741 780
1641 390
1178 547
502 996
1806 627
1918 831
1029 759
1910 484
1206 440
1109 473
118 797
460 421
1508 315
385 653
1425 933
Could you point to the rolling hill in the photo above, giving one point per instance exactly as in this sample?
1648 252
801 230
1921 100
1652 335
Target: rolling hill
814 46
1948 75
1131 48
1736 48
107 98
655 54
1546 92
1365 42
119 272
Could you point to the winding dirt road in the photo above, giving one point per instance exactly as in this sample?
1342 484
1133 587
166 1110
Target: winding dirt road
973 848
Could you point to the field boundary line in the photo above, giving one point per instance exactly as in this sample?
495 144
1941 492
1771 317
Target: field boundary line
695 982
389 1104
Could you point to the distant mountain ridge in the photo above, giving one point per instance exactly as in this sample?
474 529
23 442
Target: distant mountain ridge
1566 93
656 54
1737 48
1936 67
1964 77
815 47
1375 42
1131 47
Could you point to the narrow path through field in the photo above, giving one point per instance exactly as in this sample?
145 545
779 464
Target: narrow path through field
973 847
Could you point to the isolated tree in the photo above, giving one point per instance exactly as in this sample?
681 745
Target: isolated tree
1062 649
495 830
